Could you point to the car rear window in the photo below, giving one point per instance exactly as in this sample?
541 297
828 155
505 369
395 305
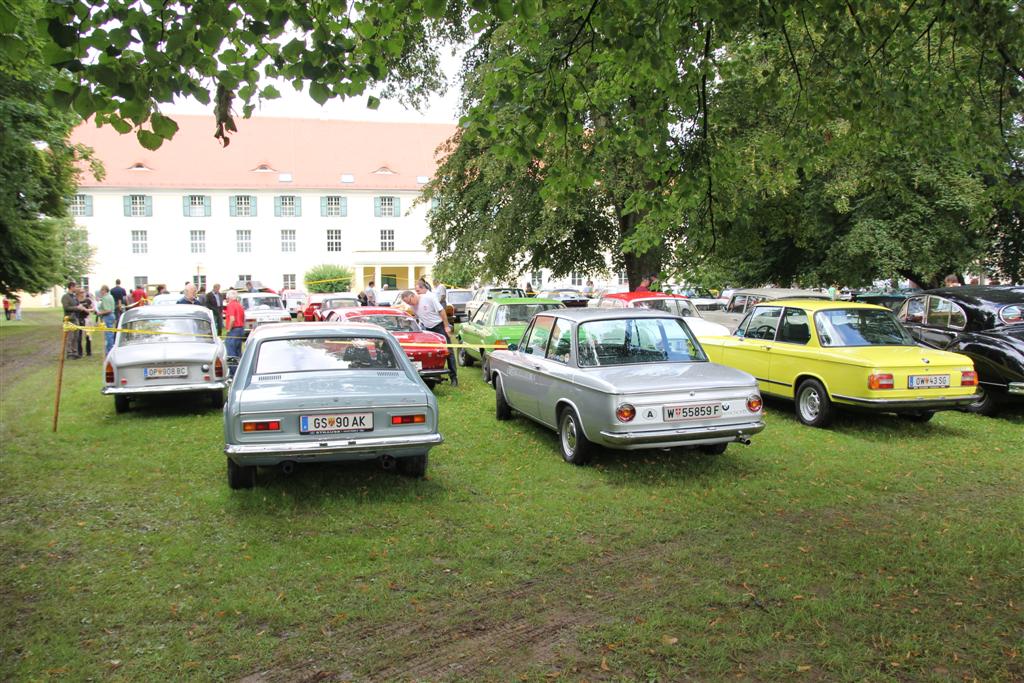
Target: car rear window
164 330
279 356
630 341
504 293
513 314
257 303
860 327
458 297
391 323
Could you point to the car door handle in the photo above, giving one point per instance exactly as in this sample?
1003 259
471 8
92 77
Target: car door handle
536 367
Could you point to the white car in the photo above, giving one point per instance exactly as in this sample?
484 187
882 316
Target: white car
294 301
262 308
166 350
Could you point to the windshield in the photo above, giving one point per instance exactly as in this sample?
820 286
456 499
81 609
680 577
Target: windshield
391 323
324 353
507 293
860 327
163 330
713 306
459 297
514 314
261 303
633 341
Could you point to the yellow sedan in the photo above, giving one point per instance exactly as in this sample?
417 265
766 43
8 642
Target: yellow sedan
827 353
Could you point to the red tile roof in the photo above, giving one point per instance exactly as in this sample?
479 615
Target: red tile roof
315 152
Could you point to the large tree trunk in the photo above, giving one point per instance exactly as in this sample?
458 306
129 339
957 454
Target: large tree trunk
638 266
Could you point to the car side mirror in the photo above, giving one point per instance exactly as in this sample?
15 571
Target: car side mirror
513 347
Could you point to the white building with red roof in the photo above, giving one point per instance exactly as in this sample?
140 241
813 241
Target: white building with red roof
283 196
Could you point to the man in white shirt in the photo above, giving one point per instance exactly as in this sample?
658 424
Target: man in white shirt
371 294
441 292
432 317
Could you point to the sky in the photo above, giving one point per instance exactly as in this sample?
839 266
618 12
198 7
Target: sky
439 109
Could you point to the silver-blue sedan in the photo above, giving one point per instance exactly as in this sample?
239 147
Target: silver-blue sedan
326 392
625 379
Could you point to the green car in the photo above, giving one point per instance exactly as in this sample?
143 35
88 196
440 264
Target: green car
498 321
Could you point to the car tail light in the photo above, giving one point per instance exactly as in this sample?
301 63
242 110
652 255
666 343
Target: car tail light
218 368
110 374
625 412
262 426
968 378
501 343
286 317
754 403
880 381
408 419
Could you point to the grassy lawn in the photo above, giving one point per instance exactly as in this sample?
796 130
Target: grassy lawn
877 550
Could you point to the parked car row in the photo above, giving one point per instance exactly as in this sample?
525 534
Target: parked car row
630 372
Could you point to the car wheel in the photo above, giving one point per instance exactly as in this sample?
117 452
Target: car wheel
217 398
502 410
241 476
987 403
813 406
485 368
431 383
121 404
714 449
465 360
923 416
576 448
415 466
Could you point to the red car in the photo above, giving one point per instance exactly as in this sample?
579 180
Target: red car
311 311
431 362
670 303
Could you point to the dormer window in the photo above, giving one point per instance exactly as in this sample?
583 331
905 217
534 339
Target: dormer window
138 166
264 168
384 170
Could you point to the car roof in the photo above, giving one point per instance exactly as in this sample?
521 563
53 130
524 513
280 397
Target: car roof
587 314
300 330
373 310
818 304
172 310
641 296
507 300
779 292
241 294
978 294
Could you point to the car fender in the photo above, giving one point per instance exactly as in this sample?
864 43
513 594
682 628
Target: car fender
565 402
798 380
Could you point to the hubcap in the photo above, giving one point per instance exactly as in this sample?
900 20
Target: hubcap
810 403
569 435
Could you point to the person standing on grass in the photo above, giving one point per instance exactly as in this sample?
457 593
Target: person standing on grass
7 308
120 297
215 302
234 322
84 338
106 312
432 316
371 294
189 296
69 302
17 308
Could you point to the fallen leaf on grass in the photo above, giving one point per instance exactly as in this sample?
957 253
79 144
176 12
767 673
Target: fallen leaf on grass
669 640
604 664
803 667
115 663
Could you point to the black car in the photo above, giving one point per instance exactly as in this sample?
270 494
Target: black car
985 323
892 299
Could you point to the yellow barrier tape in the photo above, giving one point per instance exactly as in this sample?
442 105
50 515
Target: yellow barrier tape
71 327
320 282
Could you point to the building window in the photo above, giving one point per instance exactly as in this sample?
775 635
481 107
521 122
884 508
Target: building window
576 279
197 241
287 206
537 278
243 206
244 241
141 281
333 240
139 242
245 278
289 280
84 281
288 240
334 207
138 205
387 240
196 205
623 278
199 281
387 207
81 205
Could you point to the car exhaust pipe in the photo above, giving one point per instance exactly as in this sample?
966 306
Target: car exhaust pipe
745 440
288 467
388 462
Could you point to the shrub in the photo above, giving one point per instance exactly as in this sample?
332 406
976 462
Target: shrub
328 278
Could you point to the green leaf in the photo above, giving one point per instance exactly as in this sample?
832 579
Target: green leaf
434 8
148 139
62 34
319 92
503 8
270 93
372 102
163 126
120 125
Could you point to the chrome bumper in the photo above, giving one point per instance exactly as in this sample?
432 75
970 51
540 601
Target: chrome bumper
164 388
1016 388
346 449
682 436
923 403
442 372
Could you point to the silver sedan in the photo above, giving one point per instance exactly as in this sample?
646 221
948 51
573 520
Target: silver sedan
625 379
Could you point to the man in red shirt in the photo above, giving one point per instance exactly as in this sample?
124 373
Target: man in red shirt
234 323
644 285
138 297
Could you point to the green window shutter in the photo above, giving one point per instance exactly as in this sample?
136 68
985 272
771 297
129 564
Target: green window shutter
233 205
398 207
127 205
252 204
344 207
323 207
207 205
88 205
149 205
376 207
298 207
277 206
185 205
